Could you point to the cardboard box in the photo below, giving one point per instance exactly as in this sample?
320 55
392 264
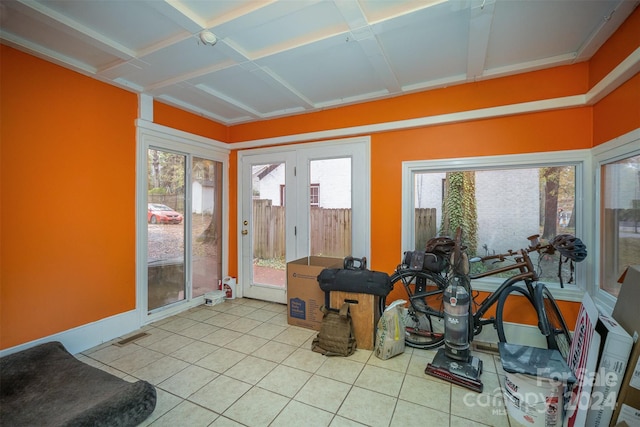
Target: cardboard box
364 312
625 313
304 296
583 359
615 349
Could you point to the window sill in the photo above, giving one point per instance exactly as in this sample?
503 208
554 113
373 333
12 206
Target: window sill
571 293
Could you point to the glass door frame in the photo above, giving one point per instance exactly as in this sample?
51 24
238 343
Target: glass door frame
246 162
164 138
358 148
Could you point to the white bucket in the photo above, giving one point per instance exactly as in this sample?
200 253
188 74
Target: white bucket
213 298
229 287
534 401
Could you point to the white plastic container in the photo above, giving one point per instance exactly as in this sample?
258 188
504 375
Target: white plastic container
229 287
534 401
213 298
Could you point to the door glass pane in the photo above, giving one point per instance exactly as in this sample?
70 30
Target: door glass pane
206 225
620 221
268 224
329 199
165 217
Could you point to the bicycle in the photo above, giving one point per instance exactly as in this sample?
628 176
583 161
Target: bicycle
425 286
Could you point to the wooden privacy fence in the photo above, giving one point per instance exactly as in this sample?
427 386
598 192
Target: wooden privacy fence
330 230
174 201
268 230
425 226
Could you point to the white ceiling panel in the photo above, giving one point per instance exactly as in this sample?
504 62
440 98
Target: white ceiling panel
219 11
283 25
203 103
438 37
328 71
280 57
132 24
252 90
526 31
185 58
50 39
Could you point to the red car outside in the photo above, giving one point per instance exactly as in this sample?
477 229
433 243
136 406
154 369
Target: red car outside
162 214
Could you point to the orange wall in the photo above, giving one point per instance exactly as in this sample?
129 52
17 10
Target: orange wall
618 113
175 118
68 199
618 47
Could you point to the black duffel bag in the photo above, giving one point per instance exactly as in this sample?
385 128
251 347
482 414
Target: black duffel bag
357 281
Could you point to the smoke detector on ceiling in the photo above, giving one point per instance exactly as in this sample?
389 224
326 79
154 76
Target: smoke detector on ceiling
207 37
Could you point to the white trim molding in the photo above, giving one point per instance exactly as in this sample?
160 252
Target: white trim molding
89 335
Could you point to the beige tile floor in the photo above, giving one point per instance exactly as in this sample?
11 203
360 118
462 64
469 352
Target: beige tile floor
240 364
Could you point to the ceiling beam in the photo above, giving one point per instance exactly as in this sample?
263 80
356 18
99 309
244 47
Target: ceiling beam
479 34
607 27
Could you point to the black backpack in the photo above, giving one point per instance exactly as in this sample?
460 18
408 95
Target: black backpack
336 336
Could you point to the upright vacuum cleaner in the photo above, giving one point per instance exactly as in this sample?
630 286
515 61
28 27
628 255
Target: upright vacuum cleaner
454 362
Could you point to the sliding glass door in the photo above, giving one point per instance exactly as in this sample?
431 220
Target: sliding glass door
184 227
181 193
165 228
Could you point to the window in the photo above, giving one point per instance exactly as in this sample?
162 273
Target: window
314 195
498 202
619 215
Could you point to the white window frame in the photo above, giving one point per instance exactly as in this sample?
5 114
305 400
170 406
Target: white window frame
627 145
584 201
153 135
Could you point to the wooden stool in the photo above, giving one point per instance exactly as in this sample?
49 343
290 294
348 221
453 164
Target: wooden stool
364 312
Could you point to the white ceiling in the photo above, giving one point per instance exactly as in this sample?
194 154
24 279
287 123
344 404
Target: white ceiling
278 58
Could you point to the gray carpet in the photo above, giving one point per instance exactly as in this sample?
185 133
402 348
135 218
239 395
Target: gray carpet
46 386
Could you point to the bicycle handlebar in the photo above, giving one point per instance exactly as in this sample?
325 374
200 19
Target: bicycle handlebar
534 247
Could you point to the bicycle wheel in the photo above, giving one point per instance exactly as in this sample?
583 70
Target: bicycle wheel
558 336
424 317
499 324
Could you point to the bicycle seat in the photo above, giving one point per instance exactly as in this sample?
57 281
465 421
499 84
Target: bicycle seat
441 244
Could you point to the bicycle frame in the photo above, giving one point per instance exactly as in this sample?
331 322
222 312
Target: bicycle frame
527 275
425 291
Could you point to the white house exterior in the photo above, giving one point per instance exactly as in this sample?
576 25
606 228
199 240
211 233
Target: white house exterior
331 177
202 196
502 215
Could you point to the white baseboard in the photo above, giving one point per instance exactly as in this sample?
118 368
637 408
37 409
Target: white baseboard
516 334
84 337
87 336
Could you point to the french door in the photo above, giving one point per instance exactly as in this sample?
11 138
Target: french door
311 200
